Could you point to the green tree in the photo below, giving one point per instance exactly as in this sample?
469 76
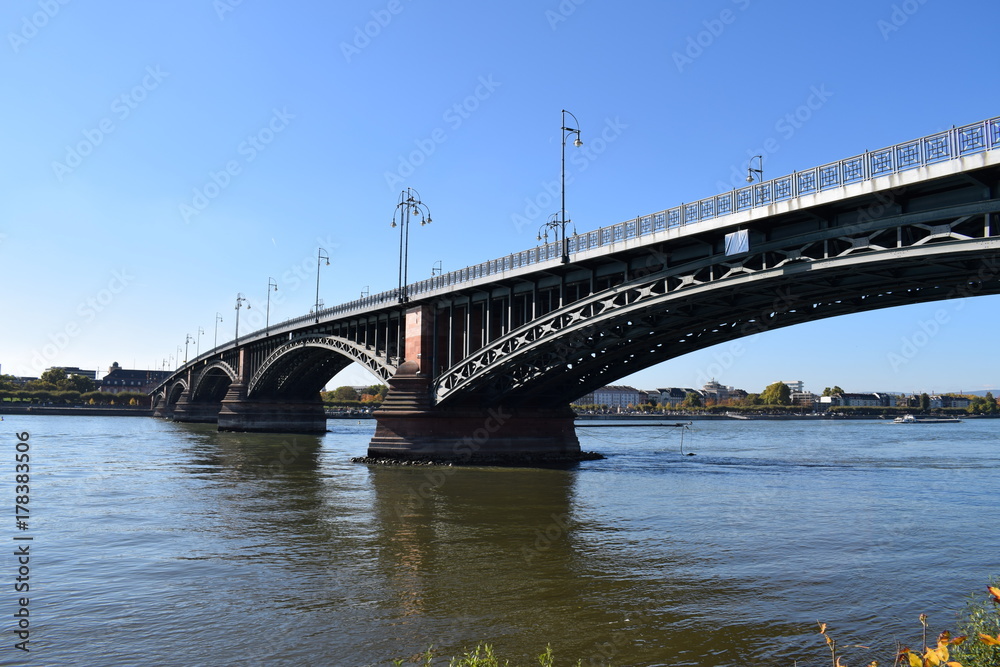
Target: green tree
691 400
777 393
53 376
379 390
8 382
78 383
40 385
830 391
925 402
345 394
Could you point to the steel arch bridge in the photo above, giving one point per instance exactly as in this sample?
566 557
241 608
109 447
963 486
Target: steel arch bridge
485 360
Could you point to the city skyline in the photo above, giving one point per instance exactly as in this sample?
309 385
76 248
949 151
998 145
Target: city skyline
162 161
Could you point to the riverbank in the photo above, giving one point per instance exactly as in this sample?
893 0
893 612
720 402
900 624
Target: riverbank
74 411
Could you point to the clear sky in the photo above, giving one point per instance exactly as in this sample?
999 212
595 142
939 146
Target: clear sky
161 157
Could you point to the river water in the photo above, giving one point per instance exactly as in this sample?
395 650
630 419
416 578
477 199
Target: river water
158 543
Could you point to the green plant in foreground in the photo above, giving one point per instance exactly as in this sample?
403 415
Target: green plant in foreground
481 656
982 621
982 649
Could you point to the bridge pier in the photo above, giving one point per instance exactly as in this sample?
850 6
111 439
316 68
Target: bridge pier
410 428
238 413
188 411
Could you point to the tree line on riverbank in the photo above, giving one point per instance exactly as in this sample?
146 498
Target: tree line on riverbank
777 399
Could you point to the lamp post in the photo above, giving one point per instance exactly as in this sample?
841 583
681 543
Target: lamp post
218 318
271 283
566 131
759 172
187 340
555 225
197 344
409 204
239 304
178 358
436 270
320 256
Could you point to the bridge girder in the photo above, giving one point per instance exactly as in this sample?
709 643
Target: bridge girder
594 341
302 366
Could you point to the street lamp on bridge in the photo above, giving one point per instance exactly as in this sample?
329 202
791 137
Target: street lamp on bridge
271 283
218 318
759 172
555 225
187 341
320 256
409 204
197 344
567 131
240 299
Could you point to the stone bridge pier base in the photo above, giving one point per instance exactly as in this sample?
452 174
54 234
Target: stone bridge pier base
195 413
238 413
409 427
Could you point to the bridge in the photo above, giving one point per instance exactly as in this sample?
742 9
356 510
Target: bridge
484 361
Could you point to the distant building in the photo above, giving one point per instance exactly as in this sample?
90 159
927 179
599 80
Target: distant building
797 387
715 391
951 401
806 399
120 379
874 400
617 396
673 396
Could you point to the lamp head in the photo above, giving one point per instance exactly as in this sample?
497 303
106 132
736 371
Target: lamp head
749 178
578 142
393 223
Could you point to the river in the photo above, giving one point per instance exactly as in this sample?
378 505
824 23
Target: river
158 543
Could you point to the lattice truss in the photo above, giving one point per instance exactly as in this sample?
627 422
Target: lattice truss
608 335
304 364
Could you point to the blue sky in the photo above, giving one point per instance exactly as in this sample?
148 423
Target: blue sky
159 158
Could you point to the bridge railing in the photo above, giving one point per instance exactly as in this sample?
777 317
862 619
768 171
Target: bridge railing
956 143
